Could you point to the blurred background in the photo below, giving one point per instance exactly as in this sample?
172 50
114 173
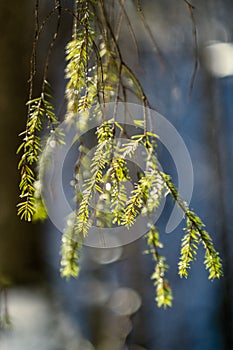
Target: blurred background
111 306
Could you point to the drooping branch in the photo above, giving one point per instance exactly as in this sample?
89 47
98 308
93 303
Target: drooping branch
97 73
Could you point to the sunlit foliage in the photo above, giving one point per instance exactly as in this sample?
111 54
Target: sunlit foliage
96 73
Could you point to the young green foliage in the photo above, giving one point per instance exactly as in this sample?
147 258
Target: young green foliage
70 250
195 230
212 260
163 289
189 248
100 160
80 89
149 190
40 111
118 176
96 73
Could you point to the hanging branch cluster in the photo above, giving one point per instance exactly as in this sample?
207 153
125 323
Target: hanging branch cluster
97 73
40 112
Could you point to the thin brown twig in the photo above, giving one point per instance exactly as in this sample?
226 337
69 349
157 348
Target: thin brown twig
52 43
99 65
189 4
121 2
158 52
33 54
124 65
195 46
38 31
